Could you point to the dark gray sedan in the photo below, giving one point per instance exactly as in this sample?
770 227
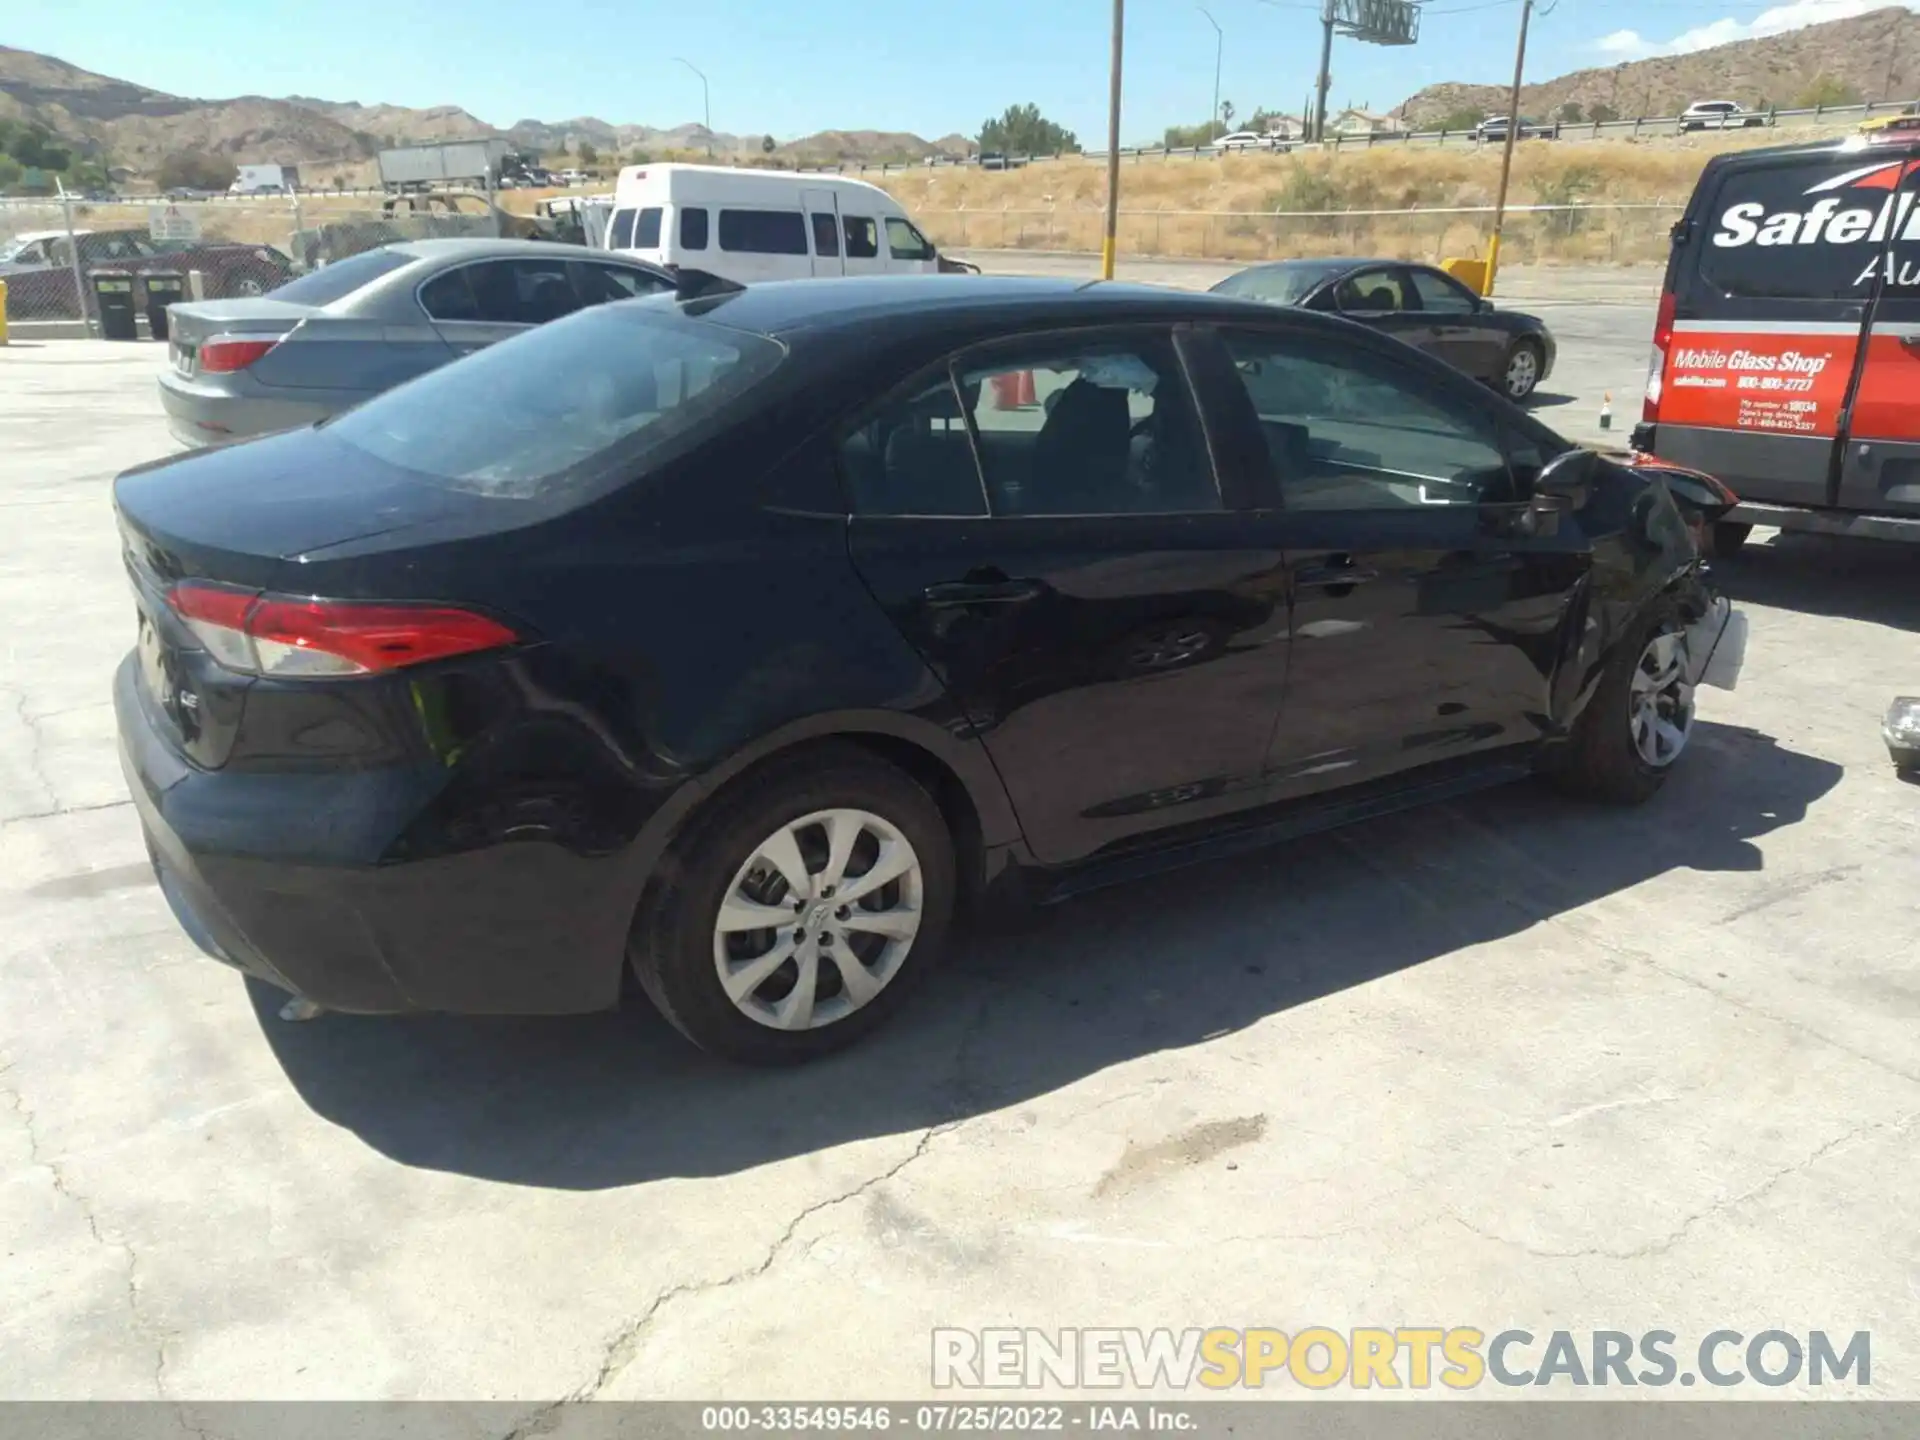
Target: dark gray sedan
1425 307
340 334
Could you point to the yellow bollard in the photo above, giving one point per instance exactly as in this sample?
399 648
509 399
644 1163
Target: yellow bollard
3 312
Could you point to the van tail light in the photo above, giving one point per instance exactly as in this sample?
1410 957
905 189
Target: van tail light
224 354
1657 361
294 638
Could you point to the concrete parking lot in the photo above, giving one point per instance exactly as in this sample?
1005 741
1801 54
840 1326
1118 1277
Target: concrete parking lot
1506 1062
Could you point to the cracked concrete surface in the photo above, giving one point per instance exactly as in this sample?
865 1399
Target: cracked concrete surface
1507 1062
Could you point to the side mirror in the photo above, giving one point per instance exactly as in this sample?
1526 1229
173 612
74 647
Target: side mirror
1481 305
1566 480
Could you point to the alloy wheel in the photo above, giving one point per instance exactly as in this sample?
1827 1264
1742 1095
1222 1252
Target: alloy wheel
1660 700
1523 372
818 919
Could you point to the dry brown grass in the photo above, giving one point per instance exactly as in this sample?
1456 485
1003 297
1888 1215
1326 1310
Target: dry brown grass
1249 206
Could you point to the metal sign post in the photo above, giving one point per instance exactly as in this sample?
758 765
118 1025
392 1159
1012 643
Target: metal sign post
1376 22
1113 141
73 260
1506 158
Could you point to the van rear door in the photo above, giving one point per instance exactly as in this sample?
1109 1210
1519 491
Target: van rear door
1880 459
1775 268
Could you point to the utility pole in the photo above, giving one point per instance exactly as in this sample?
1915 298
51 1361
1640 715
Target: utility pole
1113 141
1219 49
1513 135
706 105
1326 76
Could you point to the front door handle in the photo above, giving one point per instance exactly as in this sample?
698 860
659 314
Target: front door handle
1001 591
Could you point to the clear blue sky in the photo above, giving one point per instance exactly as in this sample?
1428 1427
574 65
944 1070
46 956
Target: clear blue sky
791 67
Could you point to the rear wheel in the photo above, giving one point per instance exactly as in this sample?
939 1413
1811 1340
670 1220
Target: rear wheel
802 911
1729 536
1525 361
1639 720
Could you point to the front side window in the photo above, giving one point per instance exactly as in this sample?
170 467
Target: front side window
646 229
620 232
1353 430
906 243
693 227
590 401
1089 428
763 232
826 234
1440 295
863 237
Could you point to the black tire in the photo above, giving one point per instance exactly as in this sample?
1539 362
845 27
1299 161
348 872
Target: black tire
1729 536
671 949
1529 346
1599 762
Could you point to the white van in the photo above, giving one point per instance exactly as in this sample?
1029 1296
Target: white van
754 225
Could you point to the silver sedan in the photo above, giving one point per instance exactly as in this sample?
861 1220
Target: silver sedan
340 334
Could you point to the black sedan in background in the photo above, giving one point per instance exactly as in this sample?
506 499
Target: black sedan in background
1425 307
738 640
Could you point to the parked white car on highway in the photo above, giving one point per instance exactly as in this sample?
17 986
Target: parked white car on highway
756 225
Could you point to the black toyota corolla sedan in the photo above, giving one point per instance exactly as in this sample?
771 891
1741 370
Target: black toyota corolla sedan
743 640
1416 304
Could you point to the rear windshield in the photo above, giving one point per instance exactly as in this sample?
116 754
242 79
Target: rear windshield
1280 285
1824 230
568 403
340 279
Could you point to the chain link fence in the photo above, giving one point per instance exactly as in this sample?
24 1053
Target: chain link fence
1531 234
50 251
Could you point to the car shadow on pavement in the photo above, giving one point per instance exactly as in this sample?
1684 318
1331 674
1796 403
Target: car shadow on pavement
1547 400
620 1099
1874 580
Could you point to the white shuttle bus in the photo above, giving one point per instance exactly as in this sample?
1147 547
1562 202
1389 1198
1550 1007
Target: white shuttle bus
756 225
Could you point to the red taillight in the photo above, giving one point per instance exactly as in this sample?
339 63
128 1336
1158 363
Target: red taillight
223 354
1657 361
293 638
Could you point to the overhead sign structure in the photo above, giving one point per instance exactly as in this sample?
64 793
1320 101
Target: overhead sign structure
1377 22
170 222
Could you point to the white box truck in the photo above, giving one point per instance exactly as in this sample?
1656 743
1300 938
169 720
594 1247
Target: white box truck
265 180
430 167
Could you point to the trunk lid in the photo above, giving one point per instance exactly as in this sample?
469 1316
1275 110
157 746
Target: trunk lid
190 325
244 515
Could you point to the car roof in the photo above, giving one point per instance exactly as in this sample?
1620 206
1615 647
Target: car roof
479 247
1811 150
839 305
28 237
1327 263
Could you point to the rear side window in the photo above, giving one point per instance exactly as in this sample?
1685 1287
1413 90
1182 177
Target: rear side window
1808 231
763 232
693 228
595 398
863 237
646 229
340 279
620 232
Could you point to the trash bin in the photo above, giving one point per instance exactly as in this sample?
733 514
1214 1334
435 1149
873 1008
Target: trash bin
164 288
113 298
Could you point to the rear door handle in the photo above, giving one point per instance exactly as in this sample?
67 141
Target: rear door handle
981 592
1340 573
